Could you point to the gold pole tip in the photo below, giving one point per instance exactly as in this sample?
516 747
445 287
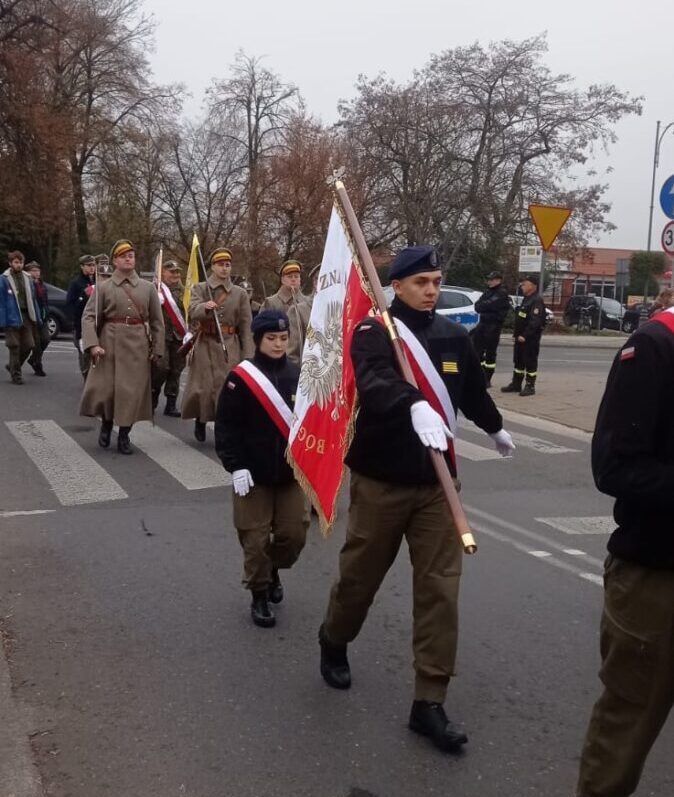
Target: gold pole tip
469 544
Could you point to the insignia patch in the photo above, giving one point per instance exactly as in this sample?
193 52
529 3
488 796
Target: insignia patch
281 324
628 354
363 327
522 314
536 311
450 367
231 385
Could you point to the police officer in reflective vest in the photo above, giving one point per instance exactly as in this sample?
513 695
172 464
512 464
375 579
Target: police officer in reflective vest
529 323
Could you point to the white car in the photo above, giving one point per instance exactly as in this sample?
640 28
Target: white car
454 302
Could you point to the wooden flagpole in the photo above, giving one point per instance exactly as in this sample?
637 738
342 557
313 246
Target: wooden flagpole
370 273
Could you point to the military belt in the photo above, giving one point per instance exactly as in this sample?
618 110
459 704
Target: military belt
129 320
208 328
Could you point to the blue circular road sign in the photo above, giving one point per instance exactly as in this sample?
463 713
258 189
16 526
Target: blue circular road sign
667 197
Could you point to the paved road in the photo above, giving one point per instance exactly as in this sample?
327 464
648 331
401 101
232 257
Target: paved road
137 673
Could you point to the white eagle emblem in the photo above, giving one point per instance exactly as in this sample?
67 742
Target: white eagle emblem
322 361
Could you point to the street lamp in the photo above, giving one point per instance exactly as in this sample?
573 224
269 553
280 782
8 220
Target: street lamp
656 161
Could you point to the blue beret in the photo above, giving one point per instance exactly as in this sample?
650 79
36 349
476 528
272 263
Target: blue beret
413 260
270 321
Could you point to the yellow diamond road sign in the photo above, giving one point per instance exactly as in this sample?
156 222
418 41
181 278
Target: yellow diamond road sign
548 221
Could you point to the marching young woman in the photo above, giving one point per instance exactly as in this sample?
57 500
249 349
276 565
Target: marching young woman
251 435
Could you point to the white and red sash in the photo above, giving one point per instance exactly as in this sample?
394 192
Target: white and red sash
172 311
427 378
666 317
271 400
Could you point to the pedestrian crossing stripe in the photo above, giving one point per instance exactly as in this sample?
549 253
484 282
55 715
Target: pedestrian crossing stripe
78 477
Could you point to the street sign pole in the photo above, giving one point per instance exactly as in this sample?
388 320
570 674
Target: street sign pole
655 168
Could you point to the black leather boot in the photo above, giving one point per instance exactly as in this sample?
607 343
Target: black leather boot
104 434
200 431
123 443
260 612
515 386
429 719
170 408
529 388
334 663
275 588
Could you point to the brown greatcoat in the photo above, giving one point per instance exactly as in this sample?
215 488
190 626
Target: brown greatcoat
208 366
298 310
118 388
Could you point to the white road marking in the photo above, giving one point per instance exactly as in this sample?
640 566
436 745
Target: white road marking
580 525
21 512
474 452
531 535
574 552
542 446
539 554
542 425
194 470
552 560
74 476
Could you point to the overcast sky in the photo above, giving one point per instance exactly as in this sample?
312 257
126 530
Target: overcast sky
322 47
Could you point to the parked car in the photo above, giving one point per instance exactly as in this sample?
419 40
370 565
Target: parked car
611 312
58 320
633 313
455 302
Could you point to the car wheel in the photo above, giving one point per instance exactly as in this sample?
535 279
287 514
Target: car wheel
53 326
628 326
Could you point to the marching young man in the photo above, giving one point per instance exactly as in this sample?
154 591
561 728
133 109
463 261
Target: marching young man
123 331
290 299
41 334
209 364
251 436
166 372
394 489
19 314
79 291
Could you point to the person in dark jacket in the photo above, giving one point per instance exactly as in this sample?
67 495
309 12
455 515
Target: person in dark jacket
633 461
529 324
493 308
269 506
42 336
79 291
395 492
19 314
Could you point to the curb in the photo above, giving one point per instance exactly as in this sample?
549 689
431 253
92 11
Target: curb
573 342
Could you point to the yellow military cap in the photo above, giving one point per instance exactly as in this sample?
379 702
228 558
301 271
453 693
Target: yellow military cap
290 267
121 247
220 254
102 258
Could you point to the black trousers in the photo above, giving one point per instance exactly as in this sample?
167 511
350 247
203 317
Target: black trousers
485 342
525 356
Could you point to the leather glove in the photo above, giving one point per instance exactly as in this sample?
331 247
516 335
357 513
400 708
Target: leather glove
430 427
242 481
504 443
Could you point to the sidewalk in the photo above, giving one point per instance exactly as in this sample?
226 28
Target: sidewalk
572 400
574 341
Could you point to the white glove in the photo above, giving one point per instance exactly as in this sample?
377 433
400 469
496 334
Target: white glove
429 425
504 443
187 337
242 481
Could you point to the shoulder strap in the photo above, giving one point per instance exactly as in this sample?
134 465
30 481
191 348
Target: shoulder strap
139 309
666 319
268 396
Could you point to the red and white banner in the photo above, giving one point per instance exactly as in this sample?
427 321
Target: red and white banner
322 422
268 396
172 311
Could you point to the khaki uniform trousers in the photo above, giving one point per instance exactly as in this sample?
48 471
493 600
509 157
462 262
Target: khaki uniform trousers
637 651
272 524
20 342
380 515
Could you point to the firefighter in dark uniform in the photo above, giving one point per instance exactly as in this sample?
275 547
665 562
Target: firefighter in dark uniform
633 461
166 372
269 505
529 323
493 308
395 492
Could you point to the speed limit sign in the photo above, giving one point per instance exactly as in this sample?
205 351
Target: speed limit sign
668 238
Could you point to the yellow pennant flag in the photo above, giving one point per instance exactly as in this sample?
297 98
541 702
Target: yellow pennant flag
192 277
